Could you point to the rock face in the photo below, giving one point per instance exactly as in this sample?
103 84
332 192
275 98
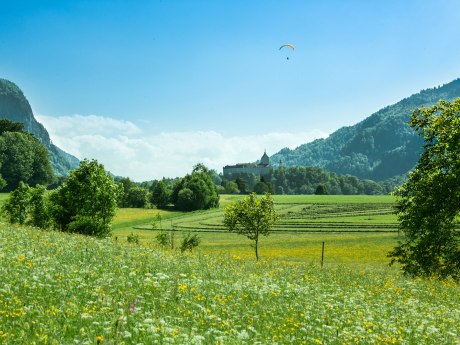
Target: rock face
15 107
380 147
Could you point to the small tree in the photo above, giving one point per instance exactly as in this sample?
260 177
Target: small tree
16 207
133 238
428 203
162 238
87 201
28 205
156 222
189 242
39 208
251 217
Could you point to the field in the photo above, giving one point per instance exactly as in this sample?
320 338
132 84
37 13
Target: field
356 229
69 289
58 288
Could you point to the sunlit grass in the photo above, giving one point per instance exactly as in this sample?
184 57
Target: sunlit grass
318 218
69 289
333 199
353 249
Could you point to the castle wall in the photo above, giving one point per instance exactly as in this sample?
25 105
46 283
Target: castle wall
256 170
263 168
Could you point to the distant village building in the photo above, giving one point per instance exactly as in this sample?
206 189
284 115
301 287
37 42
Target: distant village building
261 168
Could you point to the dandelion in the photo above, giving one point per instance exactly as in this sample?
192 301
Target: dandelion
182 287
99 339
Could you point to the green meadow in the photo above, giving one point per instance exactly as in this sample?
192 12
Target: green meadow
58 288
356 229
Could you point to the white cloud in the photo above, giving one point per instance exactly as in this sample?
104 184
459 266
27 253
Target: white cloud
126 150
77 125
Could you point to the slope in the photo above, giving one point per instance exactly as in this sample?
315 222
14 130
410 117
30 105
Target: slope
15 107
380 147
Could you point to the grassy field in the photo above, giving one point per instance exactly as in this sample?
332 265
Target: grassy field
358 230
58 288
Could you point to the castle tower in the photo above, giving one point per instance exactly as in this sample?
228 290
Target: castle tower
265 160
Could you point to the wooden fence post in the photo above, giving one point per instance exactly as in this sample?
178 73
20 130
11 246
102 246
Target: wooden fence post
322 256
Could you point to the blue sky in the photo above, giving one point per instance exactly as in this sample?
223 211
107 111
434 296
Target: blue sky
150 88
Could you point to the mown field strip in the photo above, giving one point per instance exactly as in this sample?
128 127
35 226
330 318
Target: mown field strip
348 214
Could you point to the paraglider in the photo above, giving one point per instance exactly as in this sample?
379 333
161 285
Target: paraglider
287 46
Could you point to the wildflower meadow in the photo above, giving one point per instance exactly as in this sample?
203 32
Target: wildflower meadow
58 288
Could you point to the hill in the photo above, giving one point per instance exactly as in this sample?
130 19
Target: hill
380 147
15 107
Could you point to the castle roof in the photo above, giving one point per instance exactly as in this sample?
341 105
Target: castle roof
265 160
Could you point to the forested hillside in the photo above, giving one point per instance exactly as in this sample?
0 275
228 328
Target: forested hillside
15 107
381 147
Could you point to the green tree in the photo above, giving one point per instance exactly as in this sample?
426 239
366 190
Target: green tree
157 222
133 238
127 184
16 207
10 126
196 191
186 201
87 201
39 208
28 205
261 188
162 238
428 203
230 187
23 158
251 217
189 242
161 195
136 197
321 190
242 185
2 181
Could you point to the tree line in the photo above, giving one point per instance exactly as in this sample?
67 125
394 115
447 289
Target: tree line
301 180
194 191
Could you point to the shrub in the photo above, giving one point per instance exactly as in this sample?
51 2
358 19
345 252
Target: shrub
133 238
189 242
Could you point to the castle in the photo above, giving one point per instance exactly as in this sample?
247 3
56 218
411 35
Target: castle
261 168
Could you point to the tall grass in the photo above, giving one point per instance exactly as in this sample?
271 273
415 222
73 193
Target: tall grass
68 289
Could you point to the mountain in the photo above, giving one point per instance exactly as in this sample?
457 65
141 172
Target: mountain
15 107
380 147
